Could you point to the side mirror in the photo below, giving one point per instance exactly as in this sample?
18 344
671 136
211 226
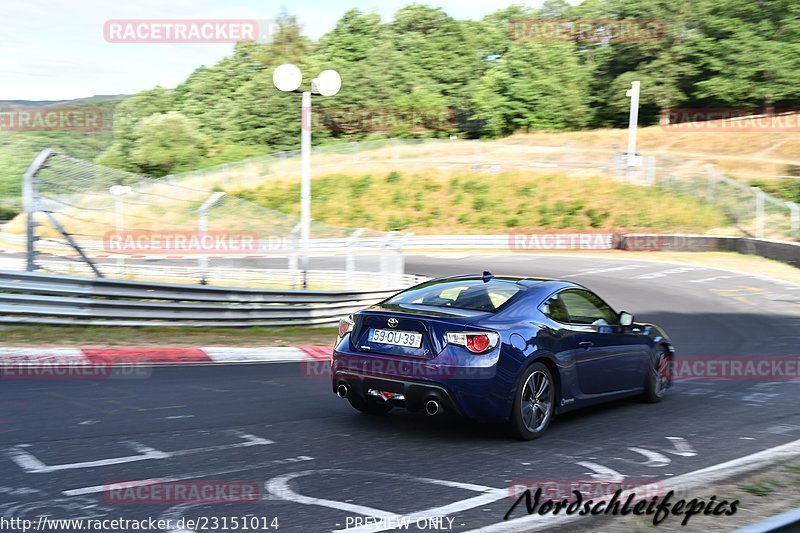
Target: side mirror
625 318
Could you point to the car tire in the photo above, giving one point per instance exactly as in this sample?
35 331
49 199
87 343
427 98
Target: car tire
659 376
534 403
369 407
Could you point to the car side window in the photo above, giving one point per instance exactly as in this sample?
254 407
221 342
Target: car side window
584 307
554 309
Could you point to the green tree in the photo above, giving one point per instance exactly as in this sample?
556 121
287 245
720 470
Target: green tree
166 142
126 118
749 53
534 86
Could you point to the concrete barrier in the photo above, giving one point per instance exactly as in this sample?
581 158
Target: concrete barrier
783 251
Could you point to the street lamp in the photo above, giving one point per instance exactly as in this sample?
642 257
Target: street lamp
633 159
202 229
118 191
288 78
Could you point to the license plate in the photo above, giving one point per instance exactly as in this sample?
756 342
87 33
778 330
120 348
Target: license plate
397 338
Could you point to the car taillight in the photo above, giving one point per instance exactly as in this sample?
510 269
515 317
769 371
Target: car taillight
345 326
475 342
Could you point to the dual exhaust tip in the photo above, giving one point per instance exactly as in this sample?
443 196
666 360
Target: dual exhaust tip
432 406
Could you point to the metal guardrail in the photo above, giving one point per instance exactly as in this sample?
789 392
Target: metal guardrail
58 299
47 299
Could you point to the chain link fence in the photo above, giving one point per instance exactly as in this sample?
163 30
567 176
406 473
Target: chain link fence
753 212
88 219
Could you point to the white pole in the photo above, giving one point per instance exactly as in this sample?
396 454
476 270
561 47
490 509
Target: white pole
120 229
202 259
305 183
350 259
759 212
202 227
795 217
633 123
712 184
293 255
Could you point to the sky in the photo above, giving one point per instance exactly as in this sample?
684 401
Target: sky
56 50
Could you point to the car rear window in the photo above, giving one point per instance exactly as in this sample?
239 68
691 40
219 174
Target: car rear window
460 294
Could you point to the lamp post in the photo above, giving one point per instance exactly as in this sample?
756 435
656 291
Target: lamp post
118 191
288 78
202 228
633 159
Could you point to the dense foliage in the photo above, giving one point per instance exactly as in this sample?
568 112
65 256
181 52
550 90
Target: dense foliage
719 53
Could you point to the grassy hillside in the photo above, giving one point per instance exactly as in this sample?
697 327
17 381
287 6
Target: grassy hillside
753 157
432 201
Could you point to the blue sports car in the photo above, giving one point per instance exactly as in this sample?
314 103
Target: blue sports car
492 348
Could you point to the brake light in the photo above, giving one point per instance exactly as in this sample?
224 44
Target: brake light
474 341
345 326
477 343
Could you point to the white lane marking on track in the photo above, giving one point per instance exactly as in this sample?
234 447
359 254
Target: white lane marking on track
604 270
279 487
30 464
665 273
191 475
690 480
682 447
20 491
654 459
601 472
712 278
210 389
176 417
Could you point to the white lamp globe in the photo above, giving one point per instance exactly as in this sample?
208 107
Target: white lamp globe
287 77
328 83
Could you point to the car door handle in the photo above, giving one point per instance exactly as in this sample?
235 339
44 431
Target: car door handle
585 345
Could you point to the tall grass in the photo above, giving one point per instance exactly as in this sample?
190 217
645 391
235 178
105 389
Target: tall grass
435 201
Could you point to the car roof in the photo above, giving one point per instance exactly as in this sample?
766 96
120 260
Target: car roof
542 284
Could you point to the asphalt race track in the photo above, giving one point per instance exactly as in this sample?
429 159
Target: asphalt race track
318 463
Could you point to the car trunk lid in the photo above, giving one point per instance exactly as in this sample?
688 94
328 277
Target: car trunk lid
428 324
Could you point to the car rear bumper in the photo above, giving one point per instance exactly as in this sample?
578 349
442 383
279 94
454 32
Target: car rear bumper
412 395
471 391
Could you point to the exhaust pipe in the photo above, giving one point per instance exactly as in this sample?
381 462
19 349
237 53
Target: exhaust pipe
342 390
432 407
